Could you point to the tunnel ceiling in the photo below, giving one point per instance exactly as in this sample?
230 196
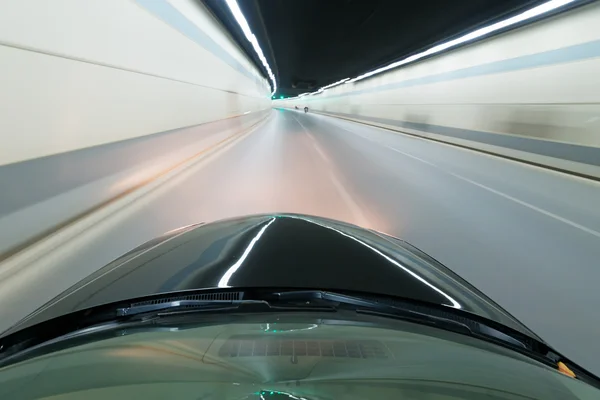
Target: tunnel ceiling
312 43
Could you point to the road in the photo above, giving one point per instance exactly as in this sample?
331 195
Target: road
527 237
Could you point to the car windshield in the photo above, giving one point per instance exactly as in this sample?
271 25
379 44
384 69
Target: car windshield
303 356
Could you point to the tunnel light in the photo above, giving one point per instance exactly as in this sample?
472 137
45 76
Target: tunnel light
241 20
334 84
324 88
529 14
321 90
534 12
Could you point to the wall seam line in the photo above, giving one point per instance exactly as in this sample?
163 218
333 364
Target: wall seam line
112 66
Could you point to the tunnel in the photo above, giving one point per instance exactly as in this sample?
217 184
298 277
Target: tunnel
470 129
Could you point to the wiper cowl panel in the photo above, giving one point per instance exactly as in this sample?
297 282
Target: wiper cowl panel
368 306
143 310
202 304
182 306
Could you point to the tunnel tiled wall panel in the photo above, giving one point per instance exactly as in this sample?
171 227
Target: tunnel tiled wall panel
99 96
77 74
530 93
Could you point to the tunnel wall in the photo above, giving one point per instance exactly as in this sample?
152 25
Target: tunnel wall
531 93
99 96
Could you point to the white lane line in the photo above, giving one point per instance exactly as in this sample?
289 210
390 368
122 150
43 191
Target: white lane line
355 209
489 189
407 135
318 148
408 155
506 196
531 206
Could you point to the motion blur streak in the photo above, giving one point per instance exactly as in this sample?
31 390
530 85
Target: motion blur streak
106 94
524 259
241 20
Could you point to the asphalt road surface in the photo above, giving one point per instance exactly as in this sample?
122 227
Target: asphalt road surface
527 237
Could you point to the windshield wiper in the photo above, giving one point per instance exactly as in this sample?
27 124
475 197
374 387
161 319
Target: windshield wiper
253 301
371 307
78 325
182 306
211 305
292 300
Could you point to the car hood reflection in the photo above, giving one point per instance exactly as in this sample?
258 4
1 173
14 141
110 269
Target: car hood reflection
276 251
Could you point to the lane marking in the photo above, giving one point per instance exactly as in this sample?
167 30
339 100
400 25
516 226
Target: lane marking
323 156
389 129
489 189
354 208
409 155
531 206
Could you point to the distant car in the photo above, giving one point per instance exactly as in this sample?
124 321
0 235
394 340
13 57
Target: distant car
305 109
276 307
296 107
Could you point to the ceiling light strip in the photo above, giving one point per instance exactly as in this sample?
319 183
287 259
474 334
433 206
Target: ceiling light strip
529 14
243 23
321 90
534 12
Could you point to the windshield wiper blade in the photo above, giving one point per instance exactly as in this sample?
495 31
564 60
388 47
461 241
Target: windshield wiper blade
317 300
367 306
308 295
78 325
180 304
443 323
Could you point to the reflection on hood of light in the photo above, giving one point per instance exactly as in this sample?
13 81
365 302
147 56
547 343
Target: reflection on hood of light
455 304
224 282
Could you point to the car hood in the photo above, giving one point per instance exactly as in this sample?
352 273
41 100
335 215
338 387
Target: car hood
275 251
